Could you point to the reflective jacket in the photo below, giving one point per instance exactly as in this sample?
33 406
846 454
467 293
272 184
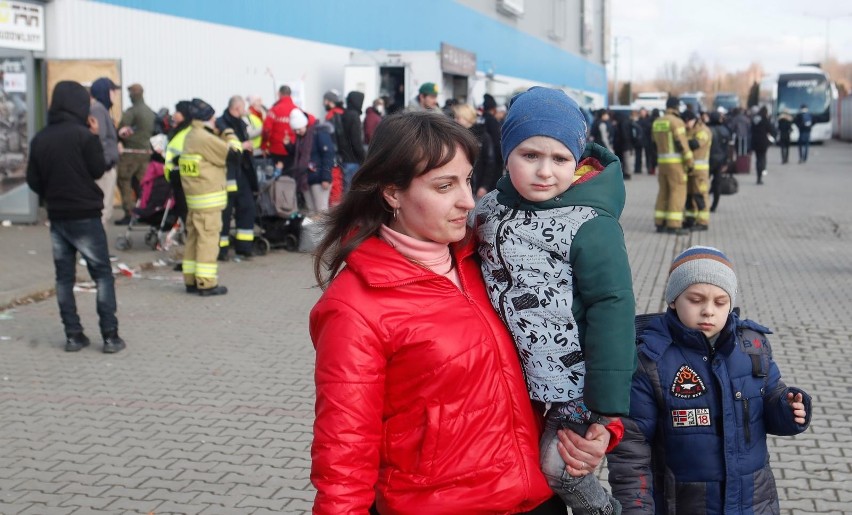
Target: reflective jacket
703 138
700 415
202 167
669 134
420 401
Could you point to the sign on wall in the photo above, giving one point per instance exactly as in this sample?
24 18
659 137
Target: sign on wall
21 25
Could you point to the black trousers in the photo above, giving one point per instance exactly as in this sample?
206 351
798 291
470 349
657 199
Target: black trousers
554 506
715 184
760 158
241 207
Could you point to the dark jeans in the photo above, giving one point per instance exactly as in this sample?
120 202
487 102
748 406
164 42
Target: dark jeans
804 145
349 170
715 184
637 158
87 237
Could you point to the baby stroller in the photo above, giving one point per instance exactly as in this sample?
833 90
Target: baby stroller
154 208
278 214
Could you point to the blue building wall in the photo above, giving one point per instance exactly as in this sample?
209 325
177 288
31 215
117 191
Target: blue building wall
396 25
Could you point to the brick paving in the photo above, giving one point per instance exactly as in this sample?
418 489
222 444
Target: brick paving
209 410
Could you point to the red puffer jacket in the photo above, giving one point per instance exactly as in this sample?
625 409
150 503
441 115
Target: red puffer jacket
276 125
421 404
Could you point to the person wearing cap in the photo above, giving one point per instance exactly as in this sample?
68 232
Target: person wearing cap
135 130
313 159
705 395
697 210
174 148
203 177
65 160
104 94
555 263
427 98
674 158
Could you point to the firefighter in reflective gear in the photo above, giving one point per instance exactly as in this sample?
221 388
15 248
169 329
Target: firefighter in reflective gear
202 174
697 214
674 158
183 123
242 184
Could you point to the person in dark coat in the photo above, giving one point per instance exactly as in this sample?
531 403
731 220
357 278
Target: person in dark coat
372 118
492 125
66 158
642 144
785 127
351 142
720 155
762 136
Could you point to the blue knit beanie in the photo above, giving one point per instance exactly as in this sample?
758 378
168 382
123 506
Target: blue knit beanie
544 112
701 265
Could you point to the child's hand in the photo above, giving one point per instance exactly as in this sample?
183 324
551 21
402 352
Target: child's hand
798 407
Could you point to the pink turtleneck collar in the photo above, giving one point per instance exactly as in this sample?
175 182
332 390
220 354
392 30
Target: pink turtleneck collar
434 256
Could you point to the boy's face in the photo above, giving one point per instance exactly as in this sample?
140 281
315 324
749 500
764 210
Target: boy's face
541 168
704 307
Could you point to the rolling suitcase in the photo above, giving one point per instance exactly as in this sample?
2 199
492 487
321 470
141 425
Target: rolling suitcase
743 163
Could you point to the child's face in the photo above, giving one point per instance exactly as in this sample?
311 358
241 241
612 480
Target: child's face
541 168
704 307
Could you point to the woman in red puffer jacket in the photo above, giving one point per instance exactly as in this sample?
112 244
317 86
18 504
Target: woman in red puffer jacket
421 405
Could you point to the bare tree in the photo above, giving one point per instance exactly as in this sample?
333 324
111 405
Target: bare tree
694 76
667 77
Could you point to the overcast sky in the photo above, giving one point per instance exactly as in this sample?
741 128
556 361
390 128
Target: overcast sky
728 33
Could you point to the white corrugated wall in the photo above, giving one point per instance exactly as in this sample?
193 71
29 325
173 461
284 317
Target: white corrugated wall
177 58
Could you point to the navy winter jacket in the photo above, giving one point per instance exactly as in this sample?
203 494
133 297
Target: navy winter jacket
695 442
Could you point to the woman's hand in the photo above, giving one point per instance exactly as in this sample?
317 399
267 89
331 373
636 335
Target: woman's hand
583 455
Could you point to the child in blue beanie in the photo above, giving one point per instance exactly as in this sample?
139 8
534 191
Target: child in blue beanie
705 395
554 259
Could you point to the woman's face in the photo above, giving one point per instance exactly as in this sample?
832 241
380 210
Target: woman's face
435 205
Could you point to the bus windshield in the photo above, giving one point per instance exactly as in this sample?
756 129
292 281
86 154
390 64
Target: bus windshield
795 90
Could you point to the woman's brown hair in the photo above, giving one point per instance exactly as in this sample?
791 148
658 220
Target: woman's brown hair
404 146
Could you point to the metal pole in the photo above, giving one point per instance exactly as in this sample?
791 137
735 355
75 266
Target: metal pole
615 71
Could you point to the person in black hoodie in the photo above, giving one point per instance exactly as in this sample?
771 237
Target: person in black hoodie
66 158
350 144
762 136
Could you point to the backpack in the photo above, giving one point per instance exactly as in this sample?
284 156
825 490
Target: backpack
719 146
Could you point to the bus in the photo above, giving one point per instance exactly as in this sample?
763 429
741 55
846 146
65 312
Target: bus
804 85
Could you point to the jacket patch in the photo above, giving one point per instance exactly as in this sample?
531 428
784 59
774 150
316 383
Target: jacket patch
687 384
690 417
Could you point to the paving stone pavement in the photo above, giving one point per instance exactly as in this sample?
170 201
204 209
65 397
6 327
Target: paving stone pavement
209 410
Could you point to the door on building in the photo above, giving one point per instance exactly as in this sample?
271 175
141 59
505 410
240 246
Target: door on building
394 87
17 202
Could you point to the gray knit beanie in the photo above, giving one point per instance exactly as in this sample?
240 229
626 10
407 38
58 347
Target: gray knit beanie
701 265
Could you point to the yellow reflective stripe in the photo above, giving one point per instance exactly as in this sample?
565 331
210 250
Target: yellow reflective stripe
687 154
235 144
674 216
704 216
188 267
659 214
231 185
207 200
206 270
702 166
224 241
680 130
670 160
691 214
702 162
245 234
